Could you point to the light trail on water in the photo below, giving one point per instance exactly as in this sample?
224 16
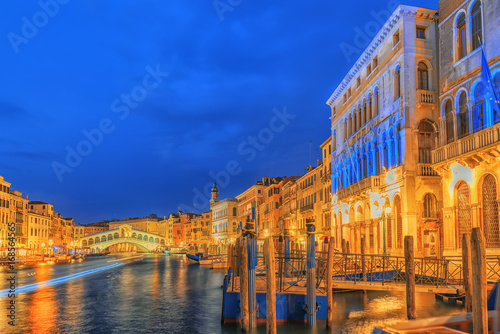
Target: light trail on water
60 280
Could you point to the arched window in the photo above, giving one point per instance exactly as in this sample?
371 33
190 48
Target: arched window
234 211
110 237
461 46
490 212
103 238
375 102
116 235
463 211
425 141
496 82
370 110
366 117
423 76
463 116
91 241
478 108
397 82
345 129
97 240
399 222
84 243
429 206
476 25
448 116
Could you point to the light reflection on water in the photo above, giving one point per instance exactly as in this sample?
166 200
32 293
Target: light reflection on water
166 295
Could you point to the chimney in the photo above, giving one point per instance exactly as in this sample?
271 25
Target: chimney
319 162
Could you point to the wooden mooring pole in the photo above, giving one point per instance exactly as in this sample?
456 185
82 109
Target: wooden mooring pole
466 260
329 291
343 246
311 274
363 264
410 277
479 307
245 327
271 286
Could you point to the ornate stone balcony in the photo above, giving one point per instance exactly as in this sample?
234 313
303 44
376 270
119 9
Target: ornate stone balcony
470 150
426 170
372 183
426 97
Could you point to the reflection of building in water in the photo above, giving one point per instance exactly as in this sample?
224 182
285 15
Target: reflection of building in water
385 119
468 149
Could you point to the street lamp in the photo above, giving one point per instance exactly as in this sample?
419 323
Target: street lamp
50 246
43 250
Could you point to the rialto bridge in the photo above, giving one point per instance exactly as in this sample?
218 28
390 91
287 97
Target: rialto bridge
125 234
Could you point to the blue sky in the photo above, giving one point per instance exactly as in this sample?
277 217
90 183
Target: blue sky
114 109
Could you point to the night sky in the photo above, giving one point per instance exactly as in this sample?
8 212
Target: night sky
114 109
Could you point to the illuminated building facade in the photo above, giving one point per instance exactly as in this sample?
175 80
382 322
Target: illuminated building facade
378 112
467 148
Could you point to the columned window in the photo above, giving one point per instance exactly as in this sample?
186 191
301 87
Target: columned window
476 25
423 76
490 212
463 116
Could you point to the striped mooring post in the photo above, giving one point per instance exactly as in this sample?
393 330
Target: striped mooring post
287 252
311 274
252 297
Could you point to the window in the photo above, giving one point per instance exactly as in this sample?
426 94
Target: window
375 62
420 33
368 70
425 141
478 109
349 93
448 115
358 82
429 206
397 82
490 212
423 76
395 38
463 116
476 25
375 103
461 37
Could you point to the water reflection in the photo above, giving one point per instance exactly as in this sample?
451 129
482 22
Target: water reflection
43 310
164 294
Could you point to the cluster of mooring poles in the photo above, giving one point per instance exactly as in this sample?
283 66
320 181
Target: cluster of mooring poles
242 257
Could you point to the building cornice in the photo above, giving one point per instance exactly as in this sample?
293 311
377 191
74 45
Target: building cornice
399 12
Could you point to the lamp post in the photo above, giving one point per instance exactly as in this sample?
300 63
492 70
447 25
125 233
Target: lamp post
43 250
50 246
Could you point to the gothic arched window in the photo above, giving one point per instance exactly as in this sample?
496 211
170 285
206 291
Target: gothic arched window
463 116
476 25
448 116
478 108
490 212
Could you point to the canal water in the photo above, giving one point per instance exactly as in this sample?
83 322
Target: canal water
164 294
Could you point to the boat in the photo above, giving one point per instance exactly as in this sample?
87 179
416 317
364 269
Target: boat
457 323
194 258
206 262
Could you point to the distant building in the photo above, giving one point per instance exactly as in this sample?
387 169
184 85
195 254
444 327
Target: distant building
224 220
384 114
